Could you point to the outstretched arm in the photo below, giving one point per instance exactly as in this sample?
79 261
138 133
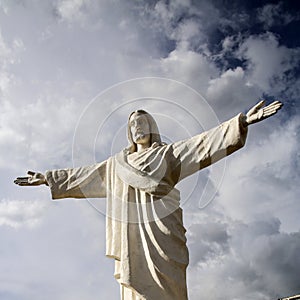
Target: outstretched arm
209 147
82 182
260 112
33 179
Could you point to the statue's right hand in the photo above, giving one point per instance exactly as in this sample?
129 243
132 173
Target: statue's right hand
34 178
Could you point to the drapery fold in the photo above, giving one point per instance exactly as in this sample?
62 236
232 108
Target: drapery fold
144 228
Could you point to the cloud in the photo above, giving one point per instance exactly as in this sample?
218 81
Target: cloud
180 22
234 89
72 10
269 63
263 249
38 135
274 15
8 57
21 213
265 175
4 8
210 240
56 56
189 67
249 263
65 249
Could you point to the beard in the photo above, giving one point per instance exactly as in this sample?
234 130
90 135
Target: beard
140 137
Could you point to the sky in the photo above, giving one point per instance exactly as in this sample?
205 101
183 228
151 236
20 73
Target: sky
71 71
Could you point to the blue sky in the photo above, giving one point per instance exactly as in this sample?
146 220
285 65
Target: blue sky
70 73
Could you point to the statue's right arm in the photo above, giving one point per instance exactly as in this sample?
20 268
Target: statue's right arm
34 178
82 182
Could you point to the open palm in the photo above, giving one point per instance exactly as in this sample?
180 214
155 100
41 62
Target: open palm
34 178
260 112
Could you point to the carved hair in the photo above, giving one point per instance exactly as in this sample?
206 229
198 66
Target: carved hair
155 139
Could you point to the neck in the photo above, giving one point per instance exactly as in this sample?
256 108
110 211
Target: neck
141 147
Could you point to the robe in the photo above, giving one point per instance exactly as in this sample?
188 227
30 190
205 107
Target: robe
144 227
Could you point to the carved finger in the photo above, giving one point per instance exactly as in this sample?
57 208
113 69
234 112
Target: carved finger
268 113
279 105
21 178
274 105
271 110
277 102
21 182
31 173
260 104
255 108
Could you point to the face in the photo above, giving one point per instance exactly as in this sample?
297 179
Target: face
140 129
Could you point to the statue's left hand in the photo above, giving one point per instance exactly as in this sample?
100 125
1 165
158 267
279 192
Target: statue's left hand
33 179
260 112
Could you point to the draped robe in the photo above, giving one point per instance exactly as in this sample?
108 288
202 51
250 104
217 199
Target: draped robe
144 228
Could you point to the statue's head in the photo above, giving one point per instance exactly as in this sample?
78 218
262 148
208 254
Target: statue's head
142 128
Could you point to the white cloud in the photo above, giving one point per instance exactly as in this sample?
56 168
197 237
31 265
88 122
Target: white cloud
274 15
264 176
4 50
268 62
184 22
4 8
52 67
8 53
66 249
228 43
167 13
187 33
72 10
21 213
234 89
189 67
8 57
41 133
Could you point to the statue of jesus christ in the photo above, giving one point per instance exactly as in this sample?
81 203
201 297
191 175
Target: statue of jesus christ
144 229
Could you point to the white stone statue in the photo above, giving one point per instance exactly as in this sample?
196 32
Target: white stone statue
144 229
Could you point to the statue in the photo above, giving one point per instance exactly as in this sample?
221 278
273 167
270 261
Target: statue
144 229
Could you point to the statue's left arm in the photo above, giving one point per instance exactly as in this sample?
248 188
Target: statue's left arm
209 147
260 112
